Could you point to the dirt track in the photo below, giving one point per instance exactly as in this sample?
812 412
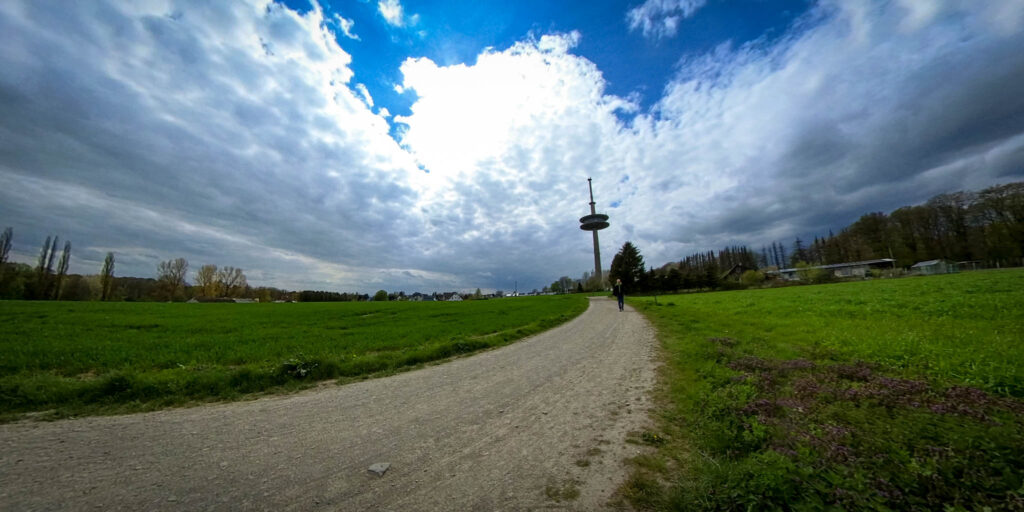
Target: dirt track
509 429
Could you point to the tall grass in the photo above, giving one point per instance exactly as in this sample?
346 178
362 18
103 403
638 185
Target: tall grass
883 394
78 358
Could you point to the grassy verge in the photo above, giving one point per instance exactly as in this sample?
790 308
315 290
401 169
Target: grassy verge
91 358
887 394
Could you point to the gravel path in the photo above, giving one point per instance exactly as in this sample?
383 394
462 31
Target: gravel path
520 427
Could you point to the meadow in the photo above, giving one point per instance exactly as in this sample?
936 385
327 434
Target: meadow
889 394
71 358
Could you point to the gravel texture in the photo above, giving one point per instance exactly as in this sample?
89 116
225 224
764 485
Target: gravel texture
539 424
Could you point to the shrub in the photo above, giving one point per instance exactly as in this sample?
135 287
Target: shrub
752 278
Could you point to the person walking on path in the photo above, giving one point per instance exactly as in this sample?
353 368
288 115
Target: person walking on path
618 292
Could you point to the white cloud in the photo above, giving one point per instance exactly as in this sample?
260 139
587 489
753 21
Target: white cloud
364 94
660 18
346 26
856 109
392 12
509 143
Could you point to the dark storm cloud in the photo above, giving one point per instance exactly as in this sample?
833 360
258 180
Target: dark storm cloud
229 138
859 113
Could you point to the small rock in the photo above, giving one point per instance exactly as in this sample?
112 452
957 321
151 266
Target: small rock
380 468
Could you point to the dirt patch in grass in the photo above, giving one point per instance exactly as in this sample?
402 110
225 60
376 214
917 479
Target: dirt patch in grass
787 432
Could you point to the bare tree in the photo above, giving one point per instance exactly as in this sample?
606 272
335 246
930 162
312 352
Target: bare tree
43 255
171 275
107 276
206 280
44 268
49 260
5 245
231 281
62 270
5 249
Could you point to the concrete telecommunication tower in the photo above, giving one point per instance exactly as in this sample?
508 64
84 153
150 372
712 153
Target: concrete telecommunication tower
594 223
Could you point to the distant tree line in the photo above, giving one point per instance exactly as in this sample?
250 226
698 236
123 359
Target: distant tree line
986 228
322 296
50 280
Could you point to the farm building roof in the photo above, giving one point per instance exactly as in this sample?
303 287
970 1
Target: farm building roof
844 265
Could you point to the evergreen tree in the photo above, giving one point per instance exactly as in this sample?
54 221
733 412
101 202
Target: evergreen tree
712 277
627 265
799 252
673 280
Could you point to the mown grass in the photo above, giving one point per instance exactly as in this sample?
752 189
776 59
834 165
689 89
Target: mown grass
887 394
89 358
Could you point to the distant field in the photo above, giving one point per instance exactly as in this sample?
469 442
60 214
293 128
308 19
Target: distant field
92 357
898 394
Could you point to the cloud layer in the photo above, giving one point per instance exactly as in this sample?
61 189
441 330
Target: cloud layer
661 18
225 132
858 108
236 134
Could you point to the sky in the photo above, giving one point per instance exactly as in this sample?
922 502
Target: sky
429 146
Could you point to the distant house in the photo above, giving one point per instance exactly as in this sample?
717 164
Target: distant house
195 300
736 271
932 267
208 300
851 269
970 265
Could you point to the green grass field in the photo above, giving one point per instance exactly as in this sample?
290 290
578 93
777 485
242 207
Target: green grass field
72 358
898 394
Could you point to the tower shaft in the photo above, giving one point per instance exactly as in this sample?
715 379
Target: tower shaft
597 245
594 223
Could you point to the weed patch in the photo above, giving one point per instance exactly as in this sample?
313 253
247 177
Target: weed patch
566 491
768 406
